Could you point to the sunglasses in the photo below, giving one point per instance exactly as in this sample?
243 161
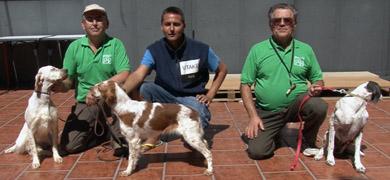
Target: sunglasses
278 21
97 19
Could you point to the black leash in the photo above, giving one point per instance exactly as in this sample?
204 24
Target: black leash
106 148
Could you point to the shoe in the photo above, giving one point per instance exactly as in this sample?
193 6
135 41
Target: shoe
122 151
62 152
309 149
148 146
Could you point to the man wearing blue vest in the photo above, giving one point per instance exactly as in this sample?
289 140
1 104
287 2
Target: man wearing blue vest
182 68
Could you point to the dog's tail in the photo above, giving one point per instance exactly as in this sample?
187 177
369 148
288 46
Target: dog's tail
24 141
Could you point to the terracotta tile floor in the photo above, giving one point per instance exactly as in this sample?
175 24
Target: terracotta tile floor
173 161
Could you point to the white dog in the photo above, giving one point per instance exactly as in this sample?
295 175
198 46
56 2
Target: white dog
347 122
141 120
41 117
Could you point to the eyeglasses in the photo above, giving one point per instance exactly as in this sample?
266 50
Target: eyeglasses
278 21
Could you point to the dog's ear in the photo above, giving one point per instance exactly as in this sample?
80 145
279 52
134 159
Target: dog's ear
111 98
109 94
38 82
376 91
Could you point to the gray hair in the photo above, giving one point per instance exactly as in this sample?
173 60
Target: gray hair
283 6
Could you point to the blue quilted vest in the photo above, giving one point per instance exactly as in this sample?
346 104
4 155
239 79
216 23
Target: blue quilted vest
182 72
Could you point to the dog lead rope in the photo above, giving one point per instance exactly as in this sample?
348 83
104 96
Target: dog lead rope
341 91
300 133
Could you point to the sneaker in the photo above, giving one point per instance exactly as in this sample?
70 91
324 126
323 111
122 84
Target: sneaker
309 149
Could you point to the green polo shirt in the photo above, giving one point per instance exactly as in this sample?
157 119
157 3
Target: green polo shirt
90 68
264 69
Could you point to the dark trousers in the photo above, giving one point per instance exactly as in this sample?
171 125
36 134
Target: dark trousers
313 113
81 131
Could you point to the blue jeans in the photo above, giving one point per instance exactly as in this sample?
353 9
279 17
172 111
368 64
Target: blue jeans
155 93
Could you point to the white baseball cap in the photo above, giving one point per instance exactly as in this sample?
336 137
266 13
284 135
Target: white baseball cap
94 7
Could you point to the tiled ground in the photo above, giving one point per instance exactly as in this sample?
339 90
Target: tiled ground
173 161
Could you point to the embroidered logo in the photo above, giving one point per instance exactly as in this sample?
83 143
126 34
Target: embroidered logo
299 61
106 59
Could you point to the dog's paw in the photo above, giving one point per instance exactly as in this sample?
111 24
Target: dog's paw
58 159
330 162
125 173
35 165
360 168
208 172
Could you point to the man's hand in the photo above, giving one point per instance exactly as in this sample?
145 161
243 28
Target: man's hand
57 87
203 99
315 90
62 86
252 130
90 100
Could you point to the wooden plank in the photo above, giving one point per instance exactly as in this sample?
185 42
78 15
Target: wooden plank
338 80
232 82
349 74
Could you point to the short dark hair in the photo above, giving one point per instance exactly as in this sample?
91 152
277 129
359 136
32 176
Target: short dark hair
173 10
283 6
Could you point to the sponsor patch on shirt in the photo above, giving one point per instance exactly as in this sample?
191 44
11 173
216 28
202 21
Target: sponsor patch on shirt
189 69
106 59
299 61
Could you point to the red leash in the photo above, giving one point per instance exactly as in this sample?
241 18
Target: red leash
341 91
300 134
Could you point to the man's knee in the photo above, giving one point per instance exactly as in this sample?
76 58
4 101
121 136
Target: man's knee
322 106
260 152
144 91
70 148
205 116
73 142
318 107
145 87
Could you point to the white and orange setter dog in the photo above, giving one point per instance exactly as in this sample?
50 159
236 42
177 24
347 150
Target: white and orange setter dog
40 128
141 120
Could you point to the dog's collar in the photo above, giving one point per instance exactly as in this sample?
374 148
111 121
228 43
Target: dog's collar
95 97
40 92
355 95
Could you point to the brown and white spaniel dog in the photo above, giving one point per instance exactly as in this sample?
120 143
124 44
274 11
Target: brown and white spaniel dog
41 119
141 120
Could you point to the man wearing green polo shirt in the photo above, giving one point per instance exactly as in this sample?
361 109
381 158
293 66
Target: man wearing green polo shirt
90 60
279 68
